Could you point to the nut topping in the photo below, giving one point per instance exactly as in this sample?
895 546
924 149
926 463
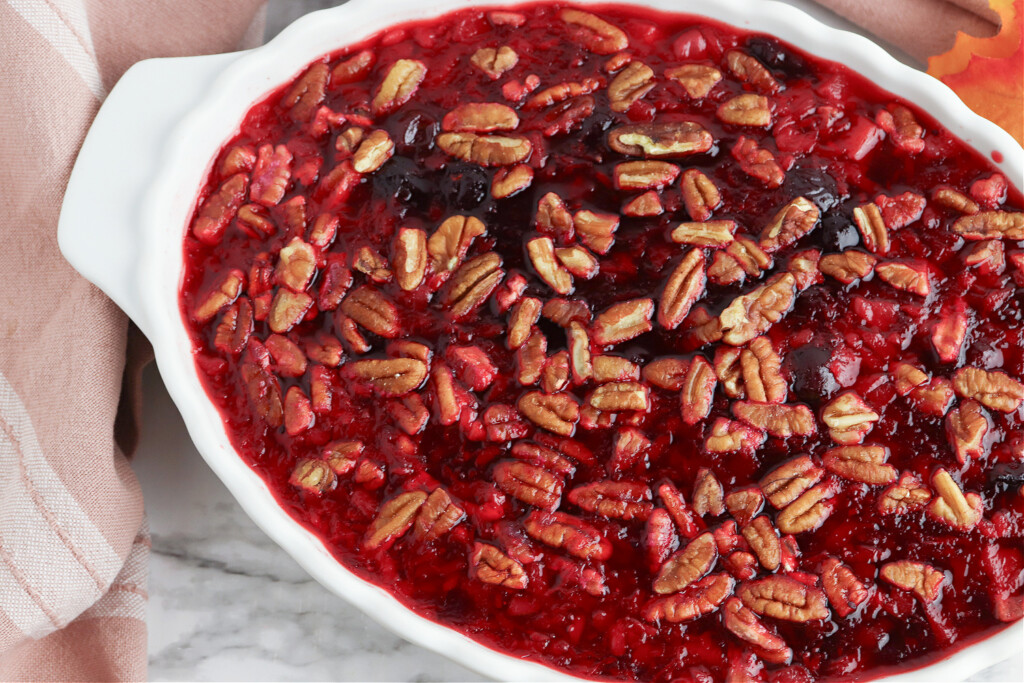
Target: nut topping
991 225
218 211
511 180
687 565
966 427
924 580
907 276
705 233
697 79
750 315
532 485
790 480
486 150
623 321
271 175
490 565
700 195
869 221
708 496
667 373
764 539
521 320
220 296
374 150
391 376
728 436
697 391
778 419
660 140
287 309
742 257
371 309
495 61
792 222
743 623
471 284
844 591
480 117
952 506
699 598
596 34
902 127
762 376
747 109
571 534
452 239
629 85
607 368
619 396
410 259
643 206
556 413
956 201
808 512
395 518
616 499
684 286
865 464
438 516
314 476
749 70
596 230
542 256
993 389
848 418
782 597
644 175
398 86
847 266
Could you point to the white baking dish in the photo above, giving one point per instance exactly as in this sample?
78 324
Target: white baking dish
147 154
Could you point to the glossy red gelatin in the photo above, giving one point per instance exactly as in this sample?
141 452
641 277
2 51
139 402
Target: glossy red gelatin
645 533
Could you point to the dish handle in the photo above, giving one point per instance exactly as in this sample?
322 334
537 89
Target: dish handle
99 228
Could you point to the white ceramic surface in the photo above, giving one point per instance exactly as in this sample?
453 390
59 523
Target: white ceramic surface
146 156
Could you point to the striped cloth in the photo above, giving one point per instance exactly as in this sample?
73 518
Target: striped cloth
73 536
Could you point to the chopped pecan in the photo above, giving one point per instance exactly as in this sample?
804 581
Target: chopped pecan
495 61
743 256
374 311
758 162
222 294
906 377
619 499
342 455
700 196
744 624
579 352
667 373
218 210
607 368
528 483
764 539
697 79
682 514
530 358
790 480
521 320
747 109
375 149
395 518
564 311
866 464
596 34
953 506
750 70
783 597
644 205
904 130
644 175
966 427
289 361
708 497
471 284
372 264
909 276
410 414
271 175
287 309
264 393
620 396
729 436
751 314
391 376
553 218
778 419
762 376
729 371
578 261
511 180
868 219
623 321
697 391
844 591
793 221
399 85
696 600
355 68
490 565
486 150
569 533
924 580
556 413
809 511
744 504
438 516
906 495
542 256
713 234
452 239
314 476
235 327
596 230
555 375
993 389
684 286
935 397
687 565
847 266
849 418
1005 225
410 258
296 265
252 218
957 201
561 93
503 423
629 85
669 140
480 117
988 256
239 158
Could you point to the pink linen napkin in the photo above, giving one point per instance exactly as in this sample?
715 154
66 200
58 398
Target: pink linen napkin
73 537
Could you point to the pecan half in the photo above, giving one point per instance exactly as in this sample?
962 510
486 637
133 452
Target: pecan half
480 117
530 358
743 256
924 580
991 225
399 85
904 130
699 598
495 61
452 239
410 258
511 180
793 221
643 206
617 499
844 591
296 265
847 266
371 309
607 368
966 427
957 201
747 109
849 418
668 140
953 506
314 476
623 321
751 314
287 309
556 413
395 518
697 391
596 34
553 218
221 295
596 230
521 320
744 504
697 79
808 512
490 565
391 376
644 175
529 484
778 419
782 597
235 328
866 464
762 372
220 208
729 436
620 396
906 495
569 533
372 153
438 516
682 289
714 234
579 352
629 85
907 276
667 373
289 361
271 174
486 150
687 565
993 389
750 70
542 256
790 480
700 196
764 539
744 624
708 497
355 68
471 284
868 219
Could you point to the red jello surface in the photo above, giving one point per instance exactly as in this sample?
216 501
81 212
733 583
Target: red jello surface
691 356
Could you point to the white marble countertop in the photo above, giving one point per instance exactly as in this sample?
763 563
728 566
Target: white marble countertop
227 604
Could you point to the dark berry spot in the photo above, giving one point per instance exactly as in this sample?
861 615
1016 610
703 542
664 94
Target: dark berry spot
809 374
401 182
465 186
771 53
815 184
837 232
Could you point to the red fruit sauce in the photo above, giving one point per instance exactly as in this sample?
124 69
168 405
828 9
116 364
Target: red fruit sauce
589 617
